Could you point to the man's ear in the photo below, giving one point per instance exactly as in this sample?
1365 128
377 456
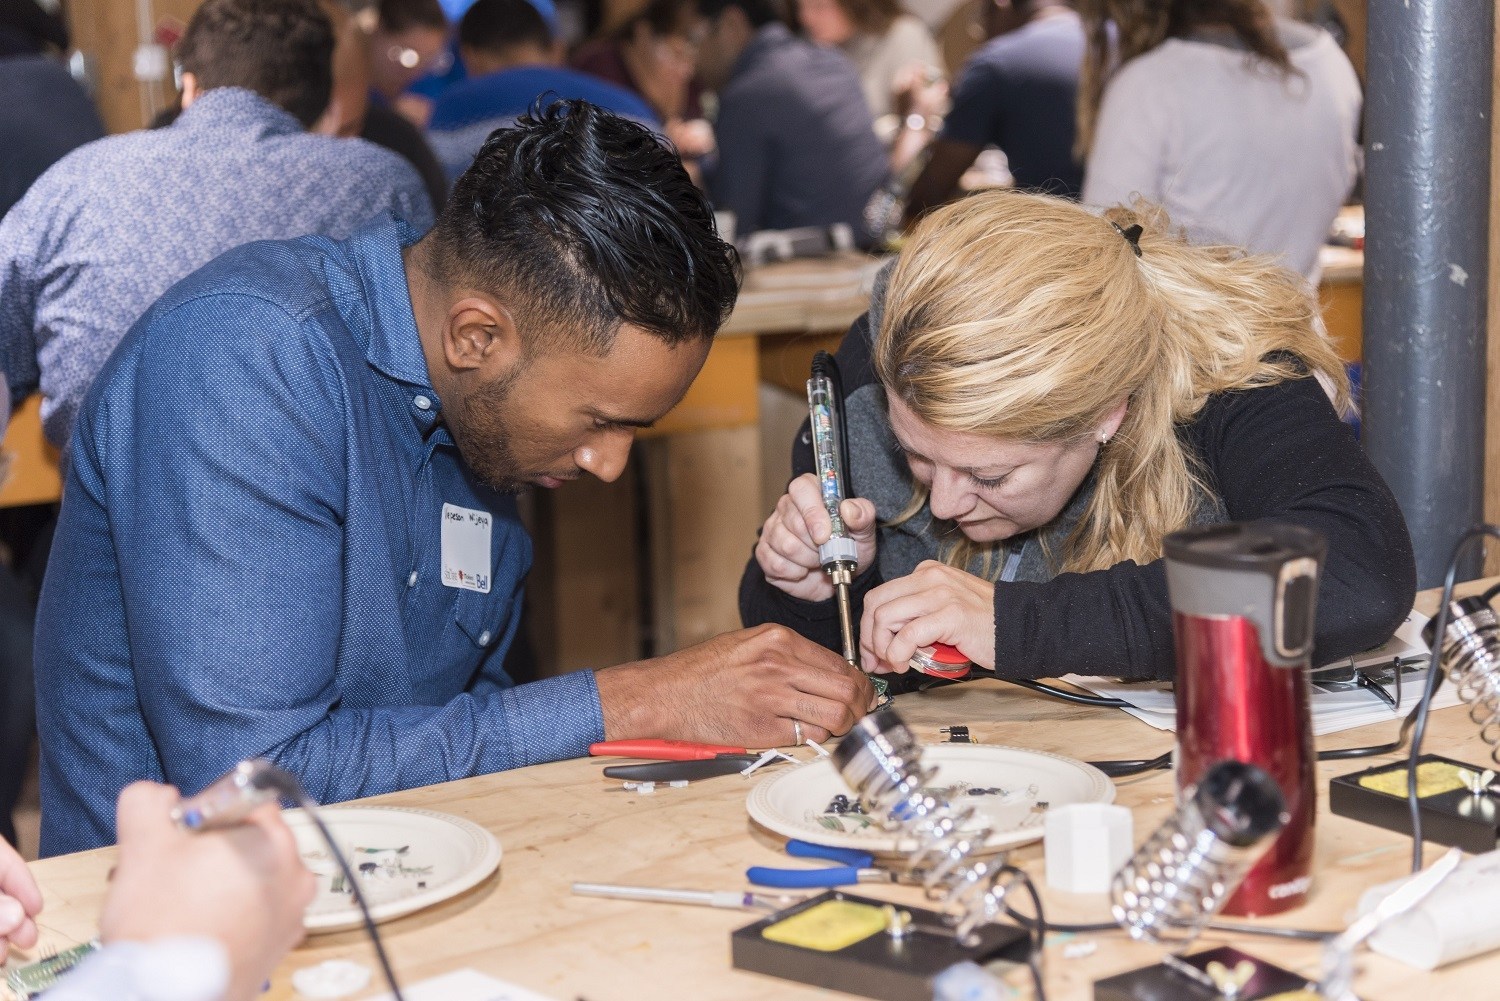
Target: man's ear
481 337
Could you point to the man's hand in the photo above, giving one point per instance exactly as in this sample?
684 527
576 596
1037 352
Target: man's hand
20 901
744 688
788 548
245 886
933 604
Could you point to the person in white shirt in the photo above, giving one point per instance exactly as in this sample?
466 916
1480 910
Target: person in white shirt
203 916
1243 126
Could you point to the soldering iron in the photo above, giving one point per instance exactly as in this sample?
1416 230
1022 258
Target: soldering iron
839 555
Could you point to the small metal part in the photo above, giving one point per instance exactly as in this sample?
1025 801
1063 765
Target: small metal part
897 922
956 734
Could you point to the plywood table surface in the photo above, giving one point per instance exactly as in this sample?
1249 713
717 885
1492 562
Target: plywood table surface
563 822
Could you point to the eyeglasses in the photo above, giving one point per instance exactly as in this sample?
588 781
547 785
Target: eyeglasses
409 58
1377 679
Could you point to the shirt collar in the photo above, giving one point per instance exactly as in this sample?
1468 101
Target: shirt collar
766 38
238 109
394 347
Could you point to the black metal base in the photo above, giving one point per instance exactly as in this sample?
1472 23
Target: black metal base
1162 983
1457 817
878 966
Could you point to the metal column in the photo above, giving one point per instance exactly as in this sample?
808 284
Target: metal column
1427 209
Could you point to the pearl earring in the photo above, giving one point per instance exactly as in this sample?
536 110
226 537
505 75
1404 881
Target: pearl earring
1104 439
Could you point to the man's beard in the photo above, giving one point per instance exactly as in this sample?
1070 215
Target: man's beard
481 437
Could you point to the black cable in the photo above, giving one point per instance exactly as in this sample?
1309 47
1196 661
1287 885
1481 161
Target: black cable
1120 769
1036 927
1077 698
1434 681
287 784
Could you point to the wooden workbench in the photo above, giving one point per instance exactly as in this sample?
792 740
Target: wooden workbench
563 822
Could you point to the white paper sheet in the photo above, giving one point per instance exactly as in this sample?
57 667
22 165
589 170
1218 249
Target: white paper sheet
1332 711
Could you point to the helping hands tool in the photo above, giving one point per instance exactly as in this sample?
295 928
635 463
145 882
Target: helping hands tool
855 867
839 555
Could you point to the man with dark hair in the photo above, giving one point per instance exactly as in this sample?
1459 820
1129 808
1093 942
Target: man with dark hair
114 224
797 146
287 528
512 61
409 41
46 114
1019 93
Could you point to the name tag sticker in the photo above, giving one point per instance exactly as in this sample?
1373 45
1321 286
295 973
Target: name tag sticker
466 548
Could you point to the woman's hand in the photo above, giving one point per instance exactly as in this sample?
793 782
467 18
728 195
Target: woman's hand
788 548
934 604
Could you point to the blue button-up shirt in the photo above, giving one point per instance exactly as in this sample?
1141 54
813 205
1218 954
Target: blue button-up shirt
114 224
248 560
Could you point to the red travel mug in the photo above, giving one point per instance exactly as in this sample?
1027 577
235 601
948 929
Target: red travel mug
1243 601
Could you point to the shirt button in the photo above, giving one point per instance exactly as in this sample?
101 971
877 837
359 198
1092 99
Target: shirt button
412 580
484 637
422 402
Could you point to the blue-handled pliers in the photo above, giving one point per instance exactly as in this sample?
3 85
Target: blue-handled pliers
855 867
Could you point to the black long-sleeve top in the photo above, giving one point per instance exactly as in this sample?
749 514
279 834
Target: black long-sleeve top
1278 452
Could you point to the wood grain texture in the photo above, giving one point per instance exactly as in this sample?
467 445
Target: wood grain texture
33 477
563 822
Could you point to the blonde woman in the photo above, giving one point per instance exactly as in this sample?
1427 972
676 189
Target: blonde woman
1041 396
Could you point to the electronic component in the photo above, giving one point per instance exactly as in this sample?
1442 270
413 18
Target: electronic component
956 734
32 979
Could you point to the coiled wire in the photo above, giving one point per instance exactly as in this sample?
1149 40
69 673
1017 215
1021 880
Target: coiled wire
1179 878
882 761
1471 661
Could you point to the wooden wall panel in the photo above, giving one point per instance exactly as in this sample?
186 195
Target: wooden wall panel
106 31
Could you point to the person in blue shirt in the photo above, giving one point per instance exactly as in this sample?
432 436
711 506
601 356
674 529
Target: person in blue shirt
288 528
1019 93
797 145
512 60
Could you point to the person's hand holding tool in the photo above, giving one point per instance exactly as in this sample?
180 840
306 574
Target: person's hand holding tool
20 901
936 603
244 886
788 548
761 687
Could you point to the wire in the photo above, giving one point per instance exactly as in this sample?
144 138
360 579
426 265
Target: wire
1037 926
287 784
1075 697
1120 769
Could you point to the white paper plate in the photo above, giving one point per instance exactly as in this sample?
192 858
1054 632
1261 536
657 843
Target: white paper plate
405 859
1009 785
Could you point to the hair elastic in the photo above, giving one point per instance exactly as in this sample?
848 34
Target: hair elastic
1132 235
